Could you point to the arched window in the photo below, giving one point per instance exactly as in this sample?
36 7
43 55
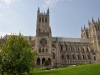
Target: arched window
68 57
45 19
49 60
43 61
53 55
73 56
39 19
62 56
42 19
38 61
88 56
53 45
66 47
43 50
78 57
61 47
87 50
94 57
83 56
40 50
82 50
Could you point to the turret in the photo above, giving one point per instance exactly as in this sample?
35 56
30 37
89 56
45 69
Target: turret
93 20
48 11
38 10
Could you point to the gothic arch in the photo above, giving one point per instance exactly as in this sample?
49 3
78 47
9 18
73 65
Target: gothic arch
45 19
66 47
43 50
82 49
42 19
49 60
73 56
62 56
94 57
61 47
43 61
53 55
87 50
38 61
68 56
39 49
78 57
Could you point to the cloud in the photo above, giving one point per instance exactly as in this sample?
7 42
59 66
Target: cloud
0 5
4 33
8 2
52 3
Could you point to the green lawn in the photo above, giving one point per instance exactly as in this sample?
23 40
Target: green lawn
92 69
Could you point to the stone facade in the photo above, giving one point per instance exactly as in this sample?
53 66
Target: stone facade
60 51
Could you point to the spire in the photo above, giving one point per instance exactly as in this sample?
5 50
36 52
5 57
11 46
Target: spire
84 26
88 22
48 10
92 20
98 19
38 9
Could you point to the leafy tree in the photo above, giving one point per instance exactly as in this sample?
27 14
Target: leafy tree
46 63
16 57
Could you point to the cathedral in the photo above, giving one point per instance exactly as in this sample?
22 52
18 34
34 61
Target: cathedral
60 51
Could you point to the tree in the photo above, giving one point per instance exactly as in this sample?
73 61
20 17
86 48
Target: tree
46 63
16 57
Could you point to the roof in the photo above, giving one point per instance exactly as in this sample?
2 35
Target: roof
62 39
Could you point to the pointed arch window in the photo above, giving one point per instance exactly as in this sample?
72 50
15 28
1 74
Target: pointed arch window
53 55
61 47
45 19
40 19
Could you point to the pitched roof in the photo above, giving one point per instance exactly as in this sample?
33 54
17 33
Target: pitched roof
62 39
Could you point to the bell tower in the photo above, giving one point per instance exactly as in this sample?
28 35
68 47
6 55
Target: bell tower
42 26
43 40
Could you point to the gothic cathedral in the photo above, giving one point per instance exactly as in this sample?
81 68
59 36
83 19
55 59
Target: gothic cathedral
64 51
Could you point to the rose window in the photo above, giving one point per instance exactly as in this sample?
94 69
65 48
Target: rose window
43 42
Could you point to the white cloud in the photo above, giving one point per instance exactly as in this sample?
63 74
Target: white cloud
8 2
0 5
4 33
52 3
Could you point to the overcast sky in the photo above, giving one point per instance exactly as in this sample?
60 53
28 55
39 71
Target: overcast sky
66 16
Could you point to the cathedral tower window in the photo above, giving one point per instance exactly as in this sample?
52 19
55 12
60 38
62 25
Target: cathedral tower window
42 19
43 50
45 19
39 19
39 50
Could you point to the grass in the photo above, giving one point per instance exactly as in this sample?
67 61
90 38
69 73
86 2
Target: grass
92 69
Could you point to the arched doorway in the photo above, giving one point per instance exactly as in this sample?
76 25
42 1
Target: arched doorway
38 61
49 60
43 61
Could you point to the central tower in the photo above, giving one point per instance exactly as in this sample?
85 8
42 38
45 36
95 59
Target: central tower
43 38
42 26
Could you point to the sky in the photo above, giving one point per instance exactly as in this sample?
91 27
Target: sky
66 16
